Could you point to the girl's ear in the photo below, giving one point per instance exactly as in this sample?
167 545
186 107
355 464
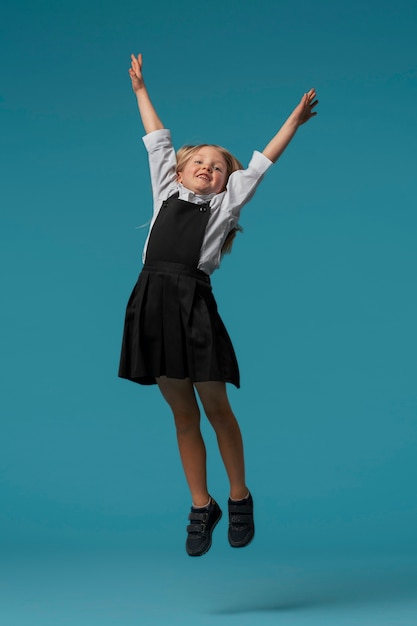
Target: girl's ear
179 177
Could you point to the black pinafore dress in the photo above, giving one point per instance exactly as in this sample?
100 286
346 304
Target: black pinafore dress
172 326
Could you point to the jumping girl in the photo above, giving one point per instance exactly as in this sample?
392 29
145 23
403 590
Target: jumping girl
173 334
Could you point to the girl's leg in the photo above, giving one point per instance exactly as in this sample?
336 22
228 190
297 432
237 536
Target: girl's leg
181 398
213 396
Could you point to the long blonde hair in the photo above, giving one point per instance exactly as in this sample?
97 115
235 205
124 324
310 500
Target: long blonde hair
185 153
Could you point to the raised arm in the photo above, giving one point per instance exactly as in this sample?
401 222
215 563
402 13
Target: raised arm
150 119
301 114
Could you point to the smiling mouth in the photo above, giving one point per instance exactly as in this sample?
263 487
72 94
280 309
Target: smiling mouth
204 177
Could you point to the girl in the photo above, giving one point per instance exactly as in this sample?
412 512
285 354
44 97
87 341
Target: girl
173 334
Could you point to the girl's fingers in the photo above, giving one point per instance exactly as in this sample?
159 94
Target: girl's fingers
136 64
136 60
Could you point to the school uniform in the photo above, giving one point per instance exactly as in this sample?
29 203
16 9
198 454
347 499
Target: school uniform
172 326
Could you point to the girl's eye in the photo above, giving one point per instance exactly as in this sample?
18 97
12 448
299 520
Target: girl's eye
217 168
198 162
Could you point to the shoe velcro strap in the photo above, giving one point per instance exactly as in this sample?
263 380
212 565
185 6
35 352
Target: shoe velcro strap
196 528
239 519
246 509
198 517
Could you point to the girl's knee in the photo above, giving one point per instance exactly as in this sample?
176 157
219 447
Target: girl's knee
186 422
221 418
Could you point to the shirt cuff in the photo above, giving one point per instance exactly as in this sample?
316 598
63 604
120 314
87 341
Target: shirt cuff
156 138
259 162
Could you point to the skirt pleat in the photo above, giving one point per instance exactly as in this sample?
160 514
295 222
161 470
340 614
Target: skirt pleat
172 328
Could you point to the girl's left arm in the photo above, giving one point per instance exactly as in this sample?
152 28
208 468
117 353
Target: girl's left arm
301 114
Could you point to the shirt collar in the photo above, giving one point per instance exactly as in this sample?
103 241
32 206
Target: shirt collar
190 196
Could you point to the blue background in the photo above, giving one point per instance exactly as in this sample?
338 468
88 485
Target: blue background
319 297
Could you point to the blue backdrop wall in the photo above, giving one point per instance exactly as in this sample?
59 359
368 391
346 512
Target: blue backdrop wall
319 294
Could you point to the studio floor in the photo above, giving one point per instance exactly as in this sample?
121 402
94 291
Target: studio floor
125 587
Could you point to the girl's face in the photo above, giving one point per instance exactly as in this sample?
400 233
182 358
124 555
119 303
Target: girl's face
205 172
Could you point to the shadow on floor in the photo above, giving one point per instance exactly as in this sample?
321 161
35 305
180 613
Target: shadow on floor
309 586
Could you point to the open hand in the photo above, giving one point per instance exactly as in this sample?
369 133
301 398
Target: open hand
135 72
304 111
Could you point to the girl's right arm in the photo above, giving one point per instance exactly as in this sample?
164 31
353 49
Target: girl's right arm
150 119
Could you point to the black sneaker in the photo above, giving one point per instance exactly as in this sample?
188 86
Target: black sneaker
241 525
200 528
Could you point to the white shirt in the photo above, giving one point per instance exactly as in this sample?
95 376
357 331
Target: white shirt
225 207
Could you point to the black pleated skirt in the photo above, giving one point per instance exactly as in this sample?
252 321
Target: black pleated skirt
172 328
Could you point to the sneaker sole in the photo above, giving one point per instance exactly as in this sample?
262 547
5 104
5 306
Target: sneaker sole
241 545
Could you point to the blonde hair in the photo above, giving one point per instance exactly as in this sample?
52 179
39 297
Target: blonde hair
185 153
